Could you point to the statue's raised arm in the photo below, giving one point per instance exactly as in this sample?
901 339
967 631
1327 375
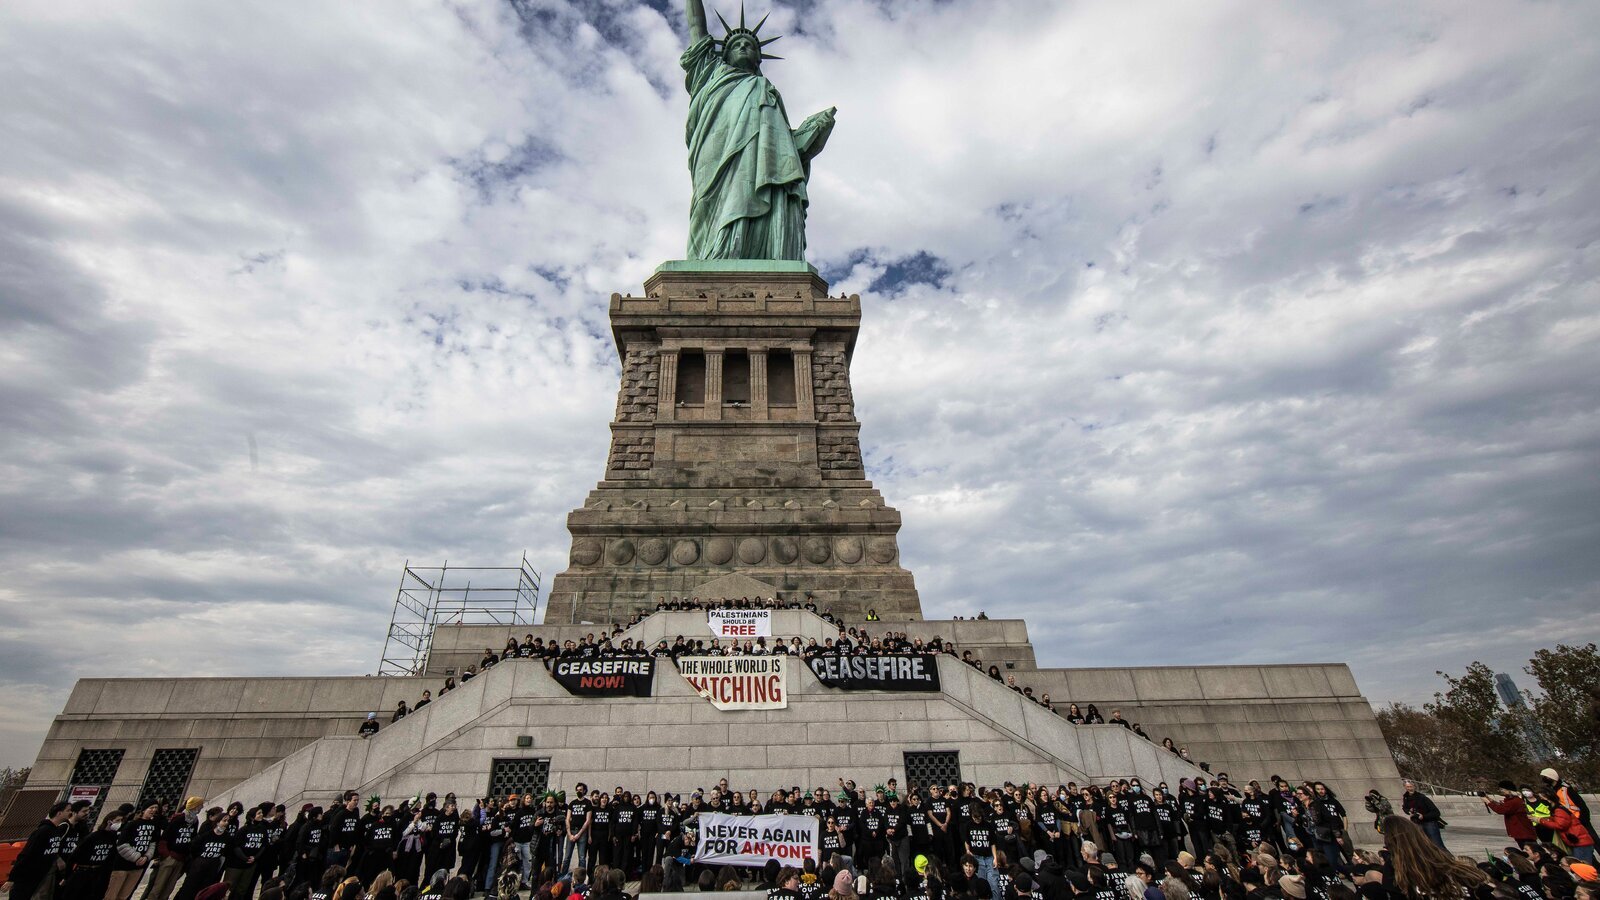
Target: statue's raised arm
696 11
748 166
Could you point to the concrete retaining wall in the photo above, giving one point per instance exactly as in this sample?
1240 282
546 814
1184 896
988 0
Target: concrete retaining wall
1298 721
240 725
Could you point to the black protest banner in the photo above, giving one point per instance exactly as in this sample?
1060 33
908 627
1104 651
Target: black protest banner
606 677
915 672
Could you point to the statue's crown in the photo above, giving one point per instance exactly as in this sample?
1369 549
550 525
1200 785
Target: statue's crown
729 32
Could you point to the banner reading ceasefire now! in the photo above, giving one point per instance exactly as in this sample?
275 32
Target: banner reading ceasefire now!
606 676
738 682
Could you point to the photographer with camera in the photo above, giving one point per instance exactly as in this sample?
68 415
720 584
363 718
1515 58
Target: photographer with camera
1422 810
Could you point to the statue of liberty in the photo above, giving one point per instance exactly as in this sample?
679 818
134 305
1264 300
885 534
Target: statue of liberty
748 167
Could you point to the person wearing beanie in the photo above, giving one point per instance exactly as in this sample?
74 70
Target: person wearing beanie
369 727
1514 810
1292 887
843 886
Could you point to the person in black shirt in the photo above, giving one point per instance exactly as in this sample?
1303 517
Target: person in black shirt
309 847
580 828
1146 830
91 862
1120 823
970 884
1170 826
136 844
624 833
39 855
919 827
493 837
939 816
526 830
248 845
369 727
327 884
210 857
649 825
441 849
377 848
844 822
400 712
344 831
1006 829
870 831
173 851
979 842
896 822
600 842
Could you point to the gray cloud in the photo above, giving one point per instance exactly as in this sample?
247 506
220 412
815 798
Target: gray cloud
1192 335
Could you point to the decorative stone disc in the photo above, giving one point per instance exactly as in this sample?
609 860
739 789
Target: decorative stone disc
653 551
848 549
752 550
684 553
620 553
816 550
585 552
785 550
719 551
881 550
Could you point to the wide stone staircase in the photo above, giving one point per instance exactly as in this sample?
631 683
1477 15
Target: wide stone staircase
677 741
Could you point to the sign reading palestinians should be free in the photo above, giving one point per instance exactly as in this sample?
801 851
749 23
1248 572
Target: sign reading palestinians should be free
740 623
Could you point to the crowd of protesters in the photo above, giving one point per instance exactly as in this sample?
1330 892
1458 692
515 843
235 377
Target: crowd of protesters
1205 840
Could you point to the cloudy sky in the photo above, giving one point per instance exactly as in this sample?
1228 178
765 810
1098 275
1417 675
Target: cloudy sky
1193 332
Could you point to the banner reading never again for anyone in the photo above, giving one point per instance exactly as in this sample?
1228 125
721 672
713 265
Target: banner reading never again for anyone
727 840
917 672
740 623
738 682
606 677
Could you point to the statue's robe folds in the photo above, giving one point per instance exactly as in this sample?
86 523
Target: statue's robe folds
749 168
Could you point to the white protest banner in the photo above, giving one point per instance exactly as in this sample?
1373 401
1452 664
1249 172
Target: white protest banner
738 682
740 623
727 840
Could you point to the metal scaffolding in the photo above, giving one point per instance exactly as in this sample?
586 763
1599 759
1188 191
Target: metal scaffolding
461 595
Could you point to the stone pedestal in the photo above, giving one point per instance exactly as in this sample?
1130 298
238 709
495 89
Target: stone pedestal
735 448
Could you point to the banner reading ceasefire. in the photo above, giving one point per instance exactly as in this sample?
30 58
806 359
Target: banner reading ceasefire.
740 623
919 672
738 682
727 840
606 677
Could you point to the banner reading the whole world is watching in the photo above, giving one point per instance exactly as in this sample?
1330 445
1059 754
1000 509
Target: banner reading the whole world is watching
738 682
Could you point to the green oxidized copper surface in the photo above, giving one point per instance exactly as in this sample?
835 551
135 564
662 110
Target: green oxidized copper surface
737 265
748 167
